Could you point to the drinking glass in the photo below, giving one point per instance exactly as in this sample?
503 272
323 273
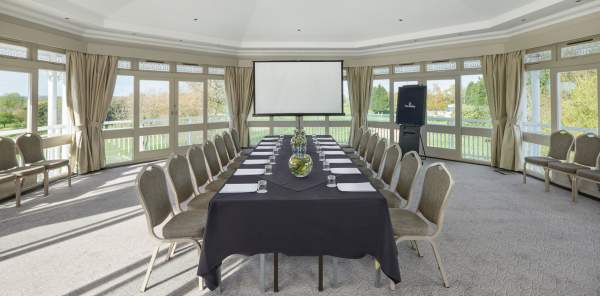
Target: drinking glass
275 151
262 186
268 169
272 159
326 165
319 149
331 181
321 156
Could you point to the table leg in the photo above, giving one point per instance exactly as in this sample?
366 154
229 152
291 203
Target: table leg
377 274
262 273
320 273
275 273
334 279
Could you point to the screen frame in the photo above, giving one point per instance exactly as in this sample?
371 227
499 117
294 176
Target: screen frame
298 114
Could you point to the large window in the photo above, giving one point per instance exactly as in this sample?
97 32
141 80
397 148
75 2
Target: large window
52 112
120 111
474 104
217 101
379 109
536 99
346 98
191 100
440 102
578 96
14 102
154 103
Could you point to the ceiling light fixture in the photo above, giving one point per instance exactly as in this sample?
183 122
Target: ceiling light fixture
578 1
523 20
196 19
299 30
67 18
400 20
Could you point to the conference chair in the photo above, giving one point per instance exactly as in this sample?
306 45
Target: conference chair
353 147
234 155
32 152
214 164
163 224
10 171
366 162
180 180
410 165
377 159
587 149
427 223
391 163
362 146
236 141
223 155
200 173
561 142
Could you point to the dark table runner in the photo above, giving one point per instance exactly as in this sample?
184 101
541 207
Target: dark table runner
298 217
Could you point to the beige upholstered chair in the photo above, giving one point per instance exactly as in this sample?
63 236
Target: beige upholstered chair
561 142
391 164
410 165
427 224
370 152
355 141
180 180
214 163
10 171
587 149
377 159
234 155
223 155
163 224
200 173
362 146
30 146
235 135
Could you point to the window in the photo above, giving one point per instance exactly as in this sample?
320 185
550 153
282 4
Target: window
14 102
397 85
124 64
347 112
441 66
313 118
414 68
191 101
190 138
52 112
381 70
540 56
11 50
284 118
216 70
118 150
154 66
440 102
154 103
379 109
217 101
578 96
472 64
212 132
154 142
120 111
474 104
580 49
536 99
51 57
185 68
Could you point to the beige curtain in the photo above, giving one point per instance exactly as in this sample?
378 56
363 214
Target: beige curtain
90 84
239 86
502 74
360 83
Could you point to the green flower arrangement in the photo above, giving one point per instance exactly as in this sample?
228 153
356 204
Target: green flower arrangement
300 165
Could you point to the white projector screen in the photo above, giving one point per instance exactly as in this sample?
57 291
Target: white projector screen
298 88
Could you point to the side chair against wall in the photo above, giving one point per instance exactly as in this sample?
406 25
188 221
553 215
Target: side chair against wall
182 227
561 142
587 149
30 146
427 223
391 165
10 171
377 159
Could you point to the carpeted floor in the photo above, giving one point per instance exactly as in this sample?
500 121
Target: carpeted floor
500 238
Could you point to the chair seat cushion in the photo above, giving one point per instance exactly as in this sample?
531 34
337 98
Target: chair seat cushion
348 149
360 162
567 167
4 178
201 201
25 171
186 224
540 160
52 164
216 185
366 171
405 222
377 183
593 175
392 199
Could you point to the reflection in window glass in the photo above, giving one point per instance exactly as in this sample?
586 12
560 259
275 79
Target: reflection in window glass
120 111
536 102
347 113
191 98
440 102
154 103
474 104
14 101
217 101
578 96
397 85
379 109
52 114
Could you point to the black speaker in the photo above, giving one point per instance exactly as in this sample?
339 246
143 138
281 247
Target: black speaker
410 136
412 105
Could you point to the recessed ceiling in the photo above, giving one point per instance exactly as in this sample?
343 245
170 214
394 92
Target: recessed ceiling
251 26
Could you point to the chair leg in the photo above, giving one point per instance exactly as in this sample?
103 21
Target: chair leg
149 270
574 188
171 251
438 259
201 284
377 273
69 175
334 279
546 179
46 182
417 249
262 272
18 188
525 173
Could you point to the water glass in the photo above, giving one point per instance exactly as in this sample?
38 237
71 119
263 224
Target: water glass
262 186
268 169
319 149
326 165
275 151
331 181
272 159
321 156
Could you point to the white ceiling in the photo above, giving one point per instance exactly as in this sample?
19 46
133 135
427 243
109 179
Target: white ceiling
247 26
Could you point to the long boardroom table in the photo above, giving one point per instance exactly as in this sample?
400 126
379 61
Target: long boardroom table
298 217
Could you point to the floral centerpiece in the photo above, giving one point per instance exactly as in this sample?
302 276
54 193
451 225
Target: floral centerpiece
298 141
300 163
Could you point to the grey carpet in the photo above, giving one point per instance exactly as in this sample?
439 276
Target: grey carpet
500 238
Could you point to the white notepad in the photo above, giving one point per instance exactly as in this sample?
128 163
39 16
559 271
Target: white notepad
265 147
338 160
328 143
257 161
334 153
267 144
356 187
270 140
249 172
324 137
239 188
258 153
331 147
344 171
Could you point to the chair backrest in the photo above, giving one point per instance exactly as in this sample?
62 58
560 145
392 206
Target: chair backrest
378 155
437 186
236 140
8 154
371 147
229 145
178 173
221 150
357 138
212 158
561 142
30 146
364 140
390 162
197 162
587 148
154 195
410 165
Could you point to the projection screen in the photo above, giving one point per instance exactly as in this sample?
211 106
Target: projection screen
298 88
